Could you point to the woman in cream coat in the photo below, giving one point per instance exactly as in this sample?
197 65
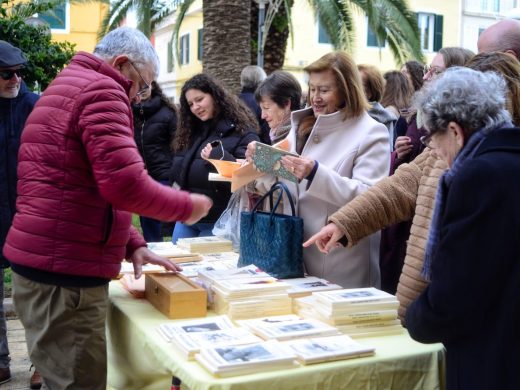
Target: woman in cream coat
342 153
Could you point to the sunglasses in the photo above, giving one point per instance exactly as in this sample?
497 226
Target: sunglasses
8 74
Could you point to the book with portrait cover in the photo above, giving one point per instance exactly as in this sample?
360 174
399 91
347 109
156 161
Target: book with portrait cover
246 359
354 296
170 329
191 343
327 349
284 328
267 159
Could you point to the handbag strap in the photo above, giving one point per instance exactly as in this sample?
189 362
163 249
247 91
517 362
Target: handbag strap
277 186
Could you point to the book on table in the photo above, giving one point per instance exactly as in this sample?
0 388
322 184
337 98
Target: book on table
246 359
286 328
249 286
208 244
326 349
171 251
355 296
249 271
191 343
169 329
306 286
307 307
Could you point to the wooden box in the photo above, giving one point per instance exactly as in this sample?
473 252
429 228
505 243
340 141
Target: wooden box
175 295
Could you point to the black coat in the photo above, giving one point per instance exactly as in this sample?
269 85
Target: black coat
472 304
190 171
154 126
248 97
13 113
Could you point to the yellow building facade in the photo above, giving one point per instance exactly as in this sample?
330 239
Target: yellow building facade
75 23
439 23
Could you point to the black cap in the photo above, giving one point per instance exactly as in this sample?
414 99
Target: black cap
10 55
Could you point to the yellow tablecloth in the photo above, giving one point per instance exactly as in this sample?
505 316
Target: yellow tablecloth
140 359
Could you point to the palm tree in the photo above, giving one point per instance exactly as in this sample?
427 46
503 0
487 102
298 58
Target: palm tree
226 41
390 20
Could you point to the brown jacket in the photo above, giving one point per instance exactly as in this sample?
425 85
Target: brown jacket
409 193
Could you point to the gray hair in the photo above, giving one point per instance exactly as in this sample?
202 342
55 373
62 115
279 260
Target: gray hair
251 76
472 99
130 42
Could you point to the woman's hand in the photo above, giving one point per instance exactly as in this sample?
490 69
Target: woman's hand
403 146
326 239
206 151
300 167
250 151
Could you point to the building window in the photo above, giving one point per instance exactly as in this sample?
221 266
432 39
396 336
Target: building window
490 6
199 44
430 31
58 17
323 36
185 49
372 38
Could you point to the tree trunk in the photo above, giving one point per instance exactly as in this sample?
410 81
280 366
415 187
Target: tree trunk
226 40
276 42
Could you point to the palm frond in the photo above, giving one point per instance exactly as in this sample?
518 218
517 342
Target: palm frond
336 17
392 21
114 16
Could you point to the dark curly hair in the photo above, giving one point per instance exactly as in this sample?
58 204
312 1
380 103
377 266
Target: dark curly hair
227 106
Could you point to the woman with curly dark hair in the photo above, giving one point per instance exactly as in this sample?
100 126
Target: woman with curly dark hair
213 124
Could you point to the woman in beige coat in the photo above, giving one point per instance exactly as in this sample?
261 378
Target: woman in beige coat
342 153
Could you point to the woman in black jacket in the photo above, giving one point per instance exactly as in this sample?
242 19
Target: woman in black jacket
155 121
214 124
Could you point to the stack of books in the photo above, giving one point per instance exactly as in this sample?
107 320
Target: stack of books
245 292
250 297
357 312
327 349
189 337
287 327
246 359
211 244
171 251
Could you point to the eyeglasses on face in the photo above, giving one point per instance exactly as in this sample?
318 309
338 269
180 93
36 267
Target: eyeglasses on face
8 74
433 70
146 87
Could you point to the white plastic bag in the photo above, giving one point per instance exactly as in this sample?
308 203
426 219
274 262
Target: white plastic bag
228 224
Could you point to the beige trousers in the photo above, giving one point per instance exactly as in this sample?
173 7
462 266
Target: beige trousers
65 332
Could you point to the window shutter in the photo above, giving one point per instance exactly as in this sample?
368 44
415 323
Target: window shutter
437 36
169 66
199 45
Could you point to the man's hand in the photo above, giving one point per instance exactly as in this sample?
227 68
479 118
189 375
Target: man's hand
326 239
143 255
201 206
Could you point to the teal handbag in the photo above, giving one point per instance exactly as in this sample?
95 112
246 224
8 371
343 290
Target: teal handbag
271 241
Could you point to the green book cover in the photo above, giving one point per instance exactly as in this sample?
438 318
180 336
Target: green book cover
267 159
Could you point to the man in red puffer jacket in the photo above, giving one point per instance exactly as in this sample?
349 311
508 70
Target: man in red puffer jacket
79 178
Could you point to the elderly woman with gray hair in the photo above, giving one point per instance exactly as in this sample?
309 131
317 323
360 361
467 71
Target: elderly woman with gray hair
472 255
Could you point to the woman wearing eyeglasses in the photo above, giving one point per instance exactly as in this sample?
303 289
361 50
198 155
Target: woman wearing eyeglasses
472 253
213 124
